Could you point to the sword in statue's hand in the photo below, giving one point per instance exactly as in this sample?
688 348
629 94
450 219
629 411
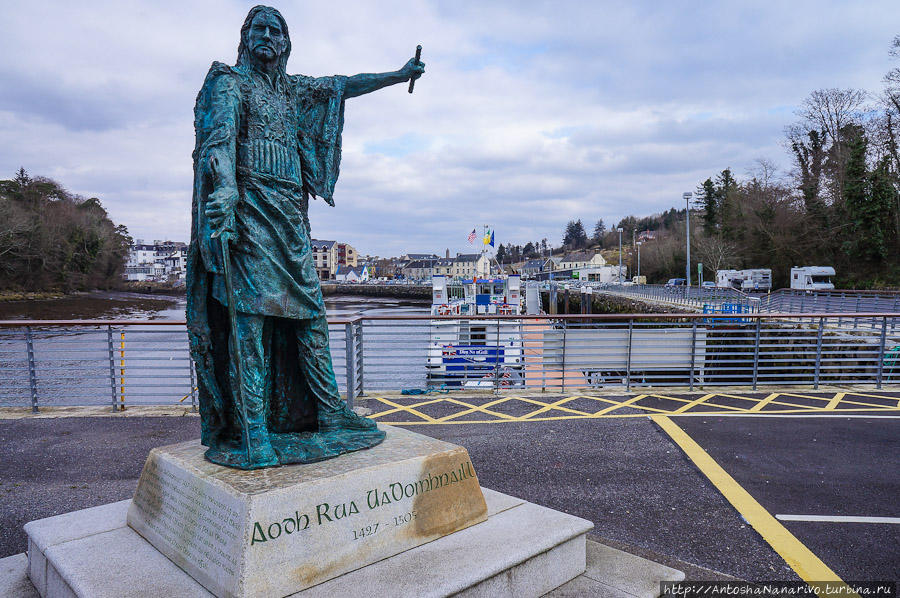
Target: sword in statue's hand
412 80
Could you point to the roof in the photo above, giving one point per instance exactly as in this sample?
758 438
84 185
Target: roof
580 256
421 256
419 264
321 244
358 270
467 257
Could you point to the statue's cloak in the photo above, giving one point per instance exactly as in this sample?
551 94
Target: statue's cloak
278 245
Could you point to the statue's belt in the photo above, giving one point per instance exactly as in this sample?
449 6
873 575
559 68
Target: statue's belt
265 157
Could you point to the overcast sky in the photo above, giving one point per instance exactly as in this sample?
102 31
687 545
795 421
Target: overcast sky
530 113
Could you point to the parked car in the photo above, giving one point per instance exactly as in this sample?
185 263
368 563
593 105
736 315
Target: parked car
676 282
708 284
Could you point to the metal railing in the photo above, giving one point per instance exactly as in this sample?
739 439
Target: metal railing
131 363
695 297
797 301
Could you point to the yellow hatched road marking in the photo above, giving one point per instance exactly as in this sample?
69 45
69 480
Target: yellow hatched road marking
412 410
474 408
547 407
616 416
556 409
759 406
801 559
834 401
626 403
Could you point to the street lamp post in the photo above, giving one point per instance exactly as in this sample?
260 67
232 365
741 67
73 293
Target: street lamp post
687 223
638 246
619 230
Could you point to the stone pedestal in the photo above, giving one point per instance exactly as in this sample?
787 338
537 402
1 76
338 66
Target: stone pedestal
274 532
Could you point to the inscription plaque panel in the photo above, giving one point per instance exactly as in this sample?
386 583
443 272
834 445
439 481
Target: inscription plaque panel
273 532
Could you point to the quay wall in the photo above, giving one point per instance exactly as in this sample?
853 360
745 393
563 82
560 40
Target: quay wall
601 303
567 303
396 291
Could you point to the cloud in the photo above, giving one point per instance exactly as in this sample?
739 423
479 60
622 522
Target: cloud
530 114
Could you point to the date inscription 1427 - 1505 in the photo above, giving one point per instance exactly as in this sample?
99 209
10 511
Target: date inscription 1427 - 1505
372 529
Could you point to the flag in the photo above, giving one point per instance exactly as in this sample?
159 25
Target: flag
487 238
471 237
492 239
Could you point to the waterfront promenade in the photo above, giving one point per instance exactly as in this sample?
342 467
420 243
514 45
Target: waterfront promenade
612 458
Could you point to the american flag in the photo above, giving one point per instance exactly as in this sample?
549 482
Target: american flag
471 237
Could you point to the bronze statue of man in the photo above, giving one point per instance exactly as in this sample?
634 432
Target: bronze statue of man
265 142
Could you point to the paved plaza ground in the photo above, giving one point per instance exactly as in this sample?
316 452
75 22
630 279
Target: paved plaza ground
605 459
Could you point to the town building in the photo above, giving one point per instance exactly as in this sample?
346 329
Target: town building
352 274
328 256
160 261
582 259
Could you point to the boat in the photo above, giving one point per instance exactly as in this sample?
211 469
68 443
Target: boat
476 352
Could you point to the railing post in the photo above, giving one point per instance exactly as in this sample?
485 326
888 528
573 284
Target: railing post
497 361
628 361
359 358
756 352
32 372
193 383
349 361
565 324
818 352
112 365
693 352
881 355
122 369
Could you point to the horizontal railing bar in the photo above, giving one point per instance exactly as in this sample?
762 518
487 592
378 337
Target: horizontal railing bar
413 317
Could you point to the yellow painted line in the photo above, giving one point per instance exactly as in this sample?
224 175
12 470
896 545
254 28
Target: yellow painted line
668 398
694 403
558 405
834 402
625 416
801 559
425 417
619 405
759 406
474 408
402 408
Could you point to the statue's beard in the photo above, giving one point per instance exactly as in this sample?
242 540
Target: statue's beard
265 53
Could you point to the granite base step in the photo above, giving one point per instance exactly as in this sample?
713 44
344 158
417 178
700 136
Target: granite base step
522 549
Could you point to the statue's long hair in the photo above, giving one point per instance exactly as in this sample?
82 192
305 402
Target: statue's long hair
244 58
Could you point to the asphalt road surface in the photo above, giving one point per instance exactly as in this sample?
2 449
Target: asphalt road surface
625 475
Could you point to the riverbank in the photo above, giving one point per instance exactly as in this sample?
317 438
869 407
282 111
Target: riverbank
30 296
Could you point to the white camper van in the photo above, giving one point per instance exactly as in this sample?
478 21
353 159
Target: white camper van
729 278
759 279
812 278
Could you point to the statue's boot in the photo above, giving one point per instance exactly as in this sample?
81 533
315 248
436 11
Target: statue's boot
337 416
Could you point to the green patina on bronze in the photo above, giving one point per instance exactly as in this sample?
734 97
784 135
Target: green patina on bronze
266 142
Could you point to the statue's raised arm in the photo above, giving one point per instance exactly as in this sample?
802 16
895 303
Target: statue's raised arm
364 83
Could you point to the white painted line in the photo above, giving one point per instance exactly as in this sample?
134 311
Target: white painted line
838 518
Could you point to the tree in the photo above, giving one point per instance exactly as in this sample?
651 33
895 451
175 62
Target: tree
51 239
501 253
715 252
709 199
529 251
726 186
575 237
599 230
830 111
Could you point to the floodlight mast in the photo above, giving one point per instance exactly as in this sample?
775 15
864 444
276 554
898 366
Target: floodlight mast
687 224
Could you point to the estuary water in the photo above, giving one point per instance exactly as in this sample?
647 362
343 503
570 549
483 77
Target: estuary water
136 306
150 364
